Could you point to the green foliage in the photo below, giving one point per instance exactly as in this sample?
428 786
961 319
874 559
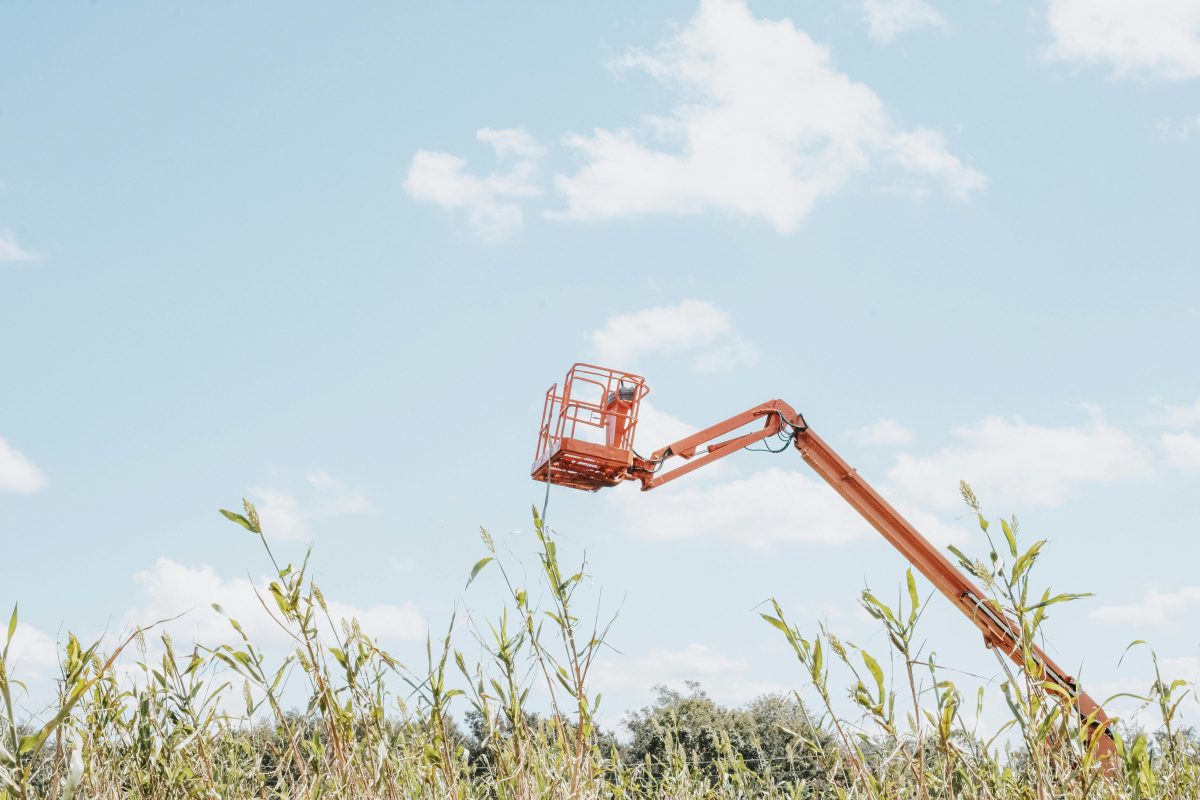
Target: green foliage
774 737
209 720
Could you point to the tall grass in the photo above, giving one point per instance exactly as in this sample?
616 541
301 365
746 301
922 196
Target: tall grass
219 719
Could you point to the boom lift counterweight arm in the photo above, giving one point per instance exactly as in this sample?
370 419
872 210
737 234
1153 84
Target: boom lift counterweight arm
565 460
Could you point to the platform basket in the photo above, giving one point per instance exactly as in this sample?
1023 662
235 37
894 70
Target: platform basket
586 437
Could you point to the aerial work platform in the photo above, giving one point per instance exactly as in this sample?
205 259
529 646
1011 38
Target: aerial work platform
586 441
586 437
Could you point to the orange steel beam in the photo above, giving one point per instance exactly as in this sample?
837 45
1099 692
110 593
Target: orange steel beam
999 631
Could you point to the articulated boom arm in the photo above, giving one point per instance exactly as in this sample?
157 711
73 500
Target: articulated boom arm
781 419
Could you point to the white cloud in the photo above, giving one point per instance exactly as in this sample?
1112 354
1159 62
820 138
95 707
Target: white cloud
489 200
696 327
762 509
1140 713
281 516
17 473
656 428
11 251
1009 462
756 511
1012 462
890 18
883 432
1182 449
724 678
288 519
923 151
385 622
1185 667
931 526
1151 37
764 127
1173 416
1181 130
1162 610
726 355
511 143
668 329
337 496
169 589
182 597
32 654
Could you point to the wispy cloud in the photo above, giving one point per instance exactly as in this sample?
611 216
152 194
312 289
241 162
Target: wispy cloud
656 428
887 19
17 473
11 251
1180 130
1160 38
32 653
887 432
491 201
728 679
1175 416
695 328
169 589
1014 463
287 515
1182 449
180 598
757 511
764 126
1140 676
1162 610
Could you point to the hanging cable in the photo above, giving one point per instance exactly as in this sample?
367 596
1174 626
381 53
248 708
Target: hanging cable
787 433
656 462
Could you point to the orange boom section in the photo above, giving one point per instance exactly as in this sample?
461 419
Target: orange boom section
586 442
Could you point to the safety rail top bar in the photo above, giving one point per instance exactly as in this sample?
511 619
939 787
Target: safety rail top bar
564 410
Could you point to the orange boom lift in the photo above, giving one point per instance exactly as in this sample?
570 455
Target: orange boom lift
586 442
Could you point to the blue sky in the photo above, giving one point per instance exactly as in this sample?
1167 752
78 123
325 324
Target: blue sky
331 262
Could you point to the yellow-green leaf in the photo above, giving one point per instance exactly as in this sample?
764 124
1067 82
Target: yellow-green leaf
475 570
1008 534
875 669
239 519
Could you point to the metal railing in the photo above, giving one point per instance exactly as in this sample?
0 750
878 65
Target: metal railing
596 405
